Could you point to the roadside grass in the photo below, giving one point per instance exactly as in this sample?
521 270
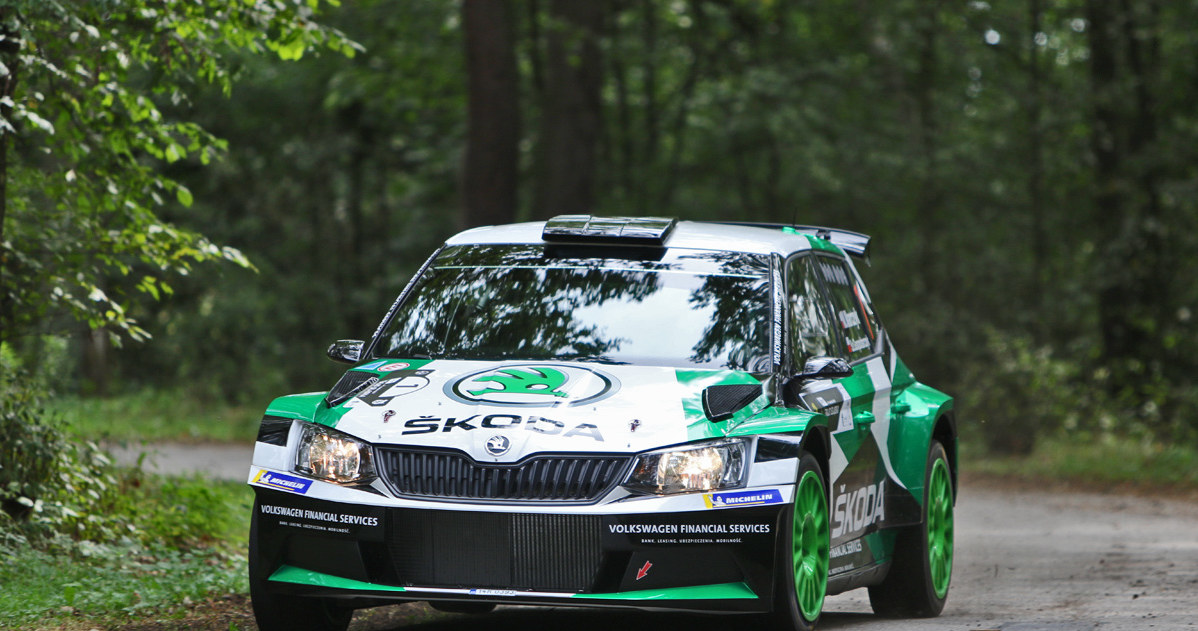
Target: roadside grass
1101 462
156 416
185 544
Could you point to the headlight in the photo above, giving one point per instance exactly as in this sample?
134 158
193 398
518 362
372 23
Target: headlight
702 467
330 455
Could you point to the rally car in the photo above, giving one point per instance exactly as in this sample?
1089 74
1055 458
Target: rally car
612 412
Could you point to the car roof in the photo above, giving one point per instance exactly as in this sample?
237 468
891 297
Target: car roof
695 235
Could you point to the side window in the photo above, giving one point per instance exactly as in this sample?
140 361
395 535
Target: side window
811 331
854 318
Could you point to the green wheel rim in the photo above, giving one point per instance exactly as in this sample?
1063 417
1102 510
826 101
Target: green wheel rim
940 527
810 545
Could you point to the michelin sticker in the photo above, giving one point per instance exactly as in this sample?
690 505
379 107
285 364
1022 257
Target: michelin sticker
742 498
533 385
281 481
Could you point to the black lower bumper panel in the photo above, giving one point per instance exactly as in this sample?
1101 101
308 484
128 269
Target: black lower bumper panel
700 560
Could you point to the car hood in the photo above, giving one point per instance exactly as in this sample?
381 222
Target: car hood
505 411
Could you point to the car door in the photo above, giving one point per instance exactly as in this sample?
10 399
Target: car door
830 316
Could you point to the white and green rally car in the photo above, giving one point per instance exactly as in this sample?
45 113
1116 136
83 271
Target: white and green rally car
612 412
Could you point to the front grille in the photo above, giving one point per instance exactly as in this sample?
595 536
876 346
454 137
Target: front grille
495 550
545 478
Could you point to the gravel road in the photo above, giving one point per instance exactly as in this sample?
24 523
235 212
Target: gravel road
224 462
1026 560
1060 561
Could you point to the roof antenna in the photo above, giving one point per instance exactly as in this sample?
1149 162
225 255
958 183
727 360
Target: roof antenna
794 217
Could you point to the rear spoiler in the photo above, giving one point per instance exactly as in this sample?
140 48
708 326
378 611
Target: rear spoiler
854 243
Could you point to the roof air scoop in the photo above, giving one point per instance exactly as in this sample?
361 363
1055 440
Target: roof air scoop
591 229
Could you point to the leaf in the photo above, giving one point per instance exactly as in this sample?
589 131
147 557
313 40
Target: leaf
38 121
149 286
184 196
292 50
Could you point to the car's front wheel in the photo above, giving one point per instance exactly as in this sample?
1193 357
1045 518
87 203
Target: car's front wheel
282 612
917 582
803 562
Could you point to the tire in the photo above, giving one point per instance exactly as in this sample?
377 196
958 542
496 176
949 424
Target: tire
803 556
917 584
461 607
281 612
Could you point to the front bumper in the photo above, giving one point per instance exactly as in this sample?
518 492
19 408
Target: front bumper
720 559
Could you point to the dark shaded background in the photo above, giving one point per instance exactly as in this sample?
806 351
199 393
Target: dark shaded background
1027 171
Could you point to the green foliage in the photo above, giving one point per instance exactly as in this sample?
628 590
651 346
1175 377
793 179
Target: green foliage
63 494
29 453
175 415
78 532
196 510
341 180
1110 461
160 572
92 502
86 85
1029 217
1020 391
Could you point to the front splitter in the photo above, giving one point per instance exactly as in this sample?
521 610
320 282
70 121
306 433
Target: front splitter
731 597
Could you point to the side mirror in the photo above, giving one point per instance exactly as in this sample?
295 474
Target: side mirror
824 368
721 402
346 351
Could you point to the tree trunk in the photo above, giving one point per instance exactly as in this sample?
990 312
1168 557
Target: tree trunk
493 137
10 48
570 113
1133 286
1035 183
931 195
94 363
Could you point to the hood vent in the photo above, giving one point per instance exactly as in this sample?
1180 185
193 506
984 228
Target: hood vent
351 383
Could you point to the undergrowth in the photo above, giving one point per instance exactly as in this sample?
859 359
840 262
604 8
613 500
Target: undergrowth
80 536
157 415
1107 460
171 541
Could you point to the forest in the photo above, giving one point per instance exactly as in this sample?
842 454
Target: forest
200 197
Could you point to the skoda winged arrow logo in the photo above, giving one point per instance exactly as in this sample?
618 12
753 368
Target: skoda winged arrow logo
535 380
498 445
533 385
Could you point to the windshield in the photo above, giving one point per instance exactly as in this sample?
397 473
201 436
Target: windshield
677 308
